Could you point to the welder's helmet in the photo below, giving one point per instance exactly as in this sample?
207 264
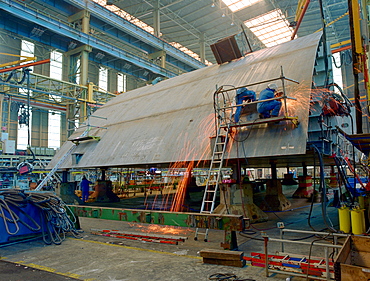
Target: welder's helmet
241 90
272 86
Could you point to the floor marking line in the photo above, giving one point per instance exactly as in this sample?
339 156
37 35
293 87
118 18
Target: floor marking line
47 269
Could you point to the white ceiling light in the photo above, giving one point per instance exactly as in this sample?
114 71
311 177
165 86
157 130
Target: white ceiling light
236 5
271 28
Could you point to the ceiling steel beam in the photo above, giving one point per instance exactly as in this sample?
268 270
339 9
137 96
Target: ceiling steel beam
27 14
130 28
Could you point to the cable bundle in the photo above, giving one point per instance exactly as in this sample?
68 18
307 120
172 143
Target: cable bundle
54 221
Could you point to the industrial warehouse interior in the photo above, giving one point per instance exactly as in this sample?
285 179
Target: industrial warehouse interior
184 140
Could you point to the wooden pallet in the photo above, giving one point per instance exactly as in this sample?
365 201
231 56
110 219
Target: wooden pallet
223 257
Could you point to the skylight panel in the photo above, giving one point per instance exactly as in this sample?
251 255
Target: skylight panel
236 5
271 28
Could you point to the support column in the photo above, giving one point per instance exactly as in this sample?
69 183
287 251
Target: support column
84 66
103 190
40 128
156 19
305 188
356 39
12 123
1 111
82 17
67 190
275 200
202 45
288 178
237 199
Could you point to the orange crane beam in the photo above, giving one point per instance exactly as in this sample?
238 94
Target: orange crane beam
25 65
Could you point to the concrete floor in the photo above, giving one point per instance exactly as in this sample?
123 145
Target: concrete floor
101 258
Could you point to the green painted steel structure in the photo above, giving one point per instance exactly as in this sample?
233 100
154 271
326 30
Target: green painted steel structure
210 221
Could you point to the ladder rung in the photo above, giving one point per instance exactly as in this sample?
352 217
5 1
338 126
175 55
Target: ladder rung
211 190
206 212
218 152
220 142
208 201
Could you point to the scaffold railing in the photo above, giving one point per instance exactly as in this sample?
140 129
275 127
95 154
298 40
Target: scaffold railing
225 106
46 89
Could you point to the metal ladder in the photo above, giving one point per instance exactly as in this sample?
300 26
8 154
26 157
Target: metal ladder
43 165
210 192
60 162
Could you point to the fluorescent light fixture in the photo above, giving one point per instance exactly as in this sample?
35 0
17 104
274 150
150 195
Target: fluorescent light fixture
127 66
99 56
271 28
236 5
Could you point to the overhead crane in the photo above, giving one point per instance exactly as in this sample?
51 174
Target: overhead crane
24 59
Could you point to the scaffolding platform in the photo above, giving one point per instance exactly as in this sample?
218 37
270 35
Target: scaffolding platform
77 140
293 119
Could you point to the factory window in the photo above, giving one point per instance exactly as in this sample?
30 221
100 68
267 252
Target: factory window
77 121
56 68
271 28
236 5
22 136
27 50
54 129
56 65
103 79
337 71
78 74
121 83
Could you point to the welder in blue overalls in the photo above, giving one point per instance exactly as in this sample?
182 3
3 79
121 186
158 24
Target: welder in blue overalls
270 108
243 94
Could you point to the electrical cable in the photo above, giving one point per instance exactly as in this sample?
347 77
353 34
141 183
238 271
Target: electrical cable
351 192
56 219
222 276
13 74
323 190
27 72
227 276
324 42
309 255
313 194
249 132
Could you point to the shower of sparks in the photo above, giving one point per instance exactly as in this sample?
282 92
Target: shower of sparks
178 200
180 172
154 228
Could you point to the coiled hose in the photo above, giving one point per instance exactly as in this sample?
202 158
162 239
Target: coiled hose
56 219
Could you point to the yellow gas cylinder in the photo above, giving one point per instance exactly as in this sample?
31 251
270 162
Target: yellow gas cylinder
344 219
358 221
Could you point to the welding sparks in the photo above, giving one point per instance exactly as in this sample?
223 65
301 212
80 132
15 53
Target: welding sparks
162 229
